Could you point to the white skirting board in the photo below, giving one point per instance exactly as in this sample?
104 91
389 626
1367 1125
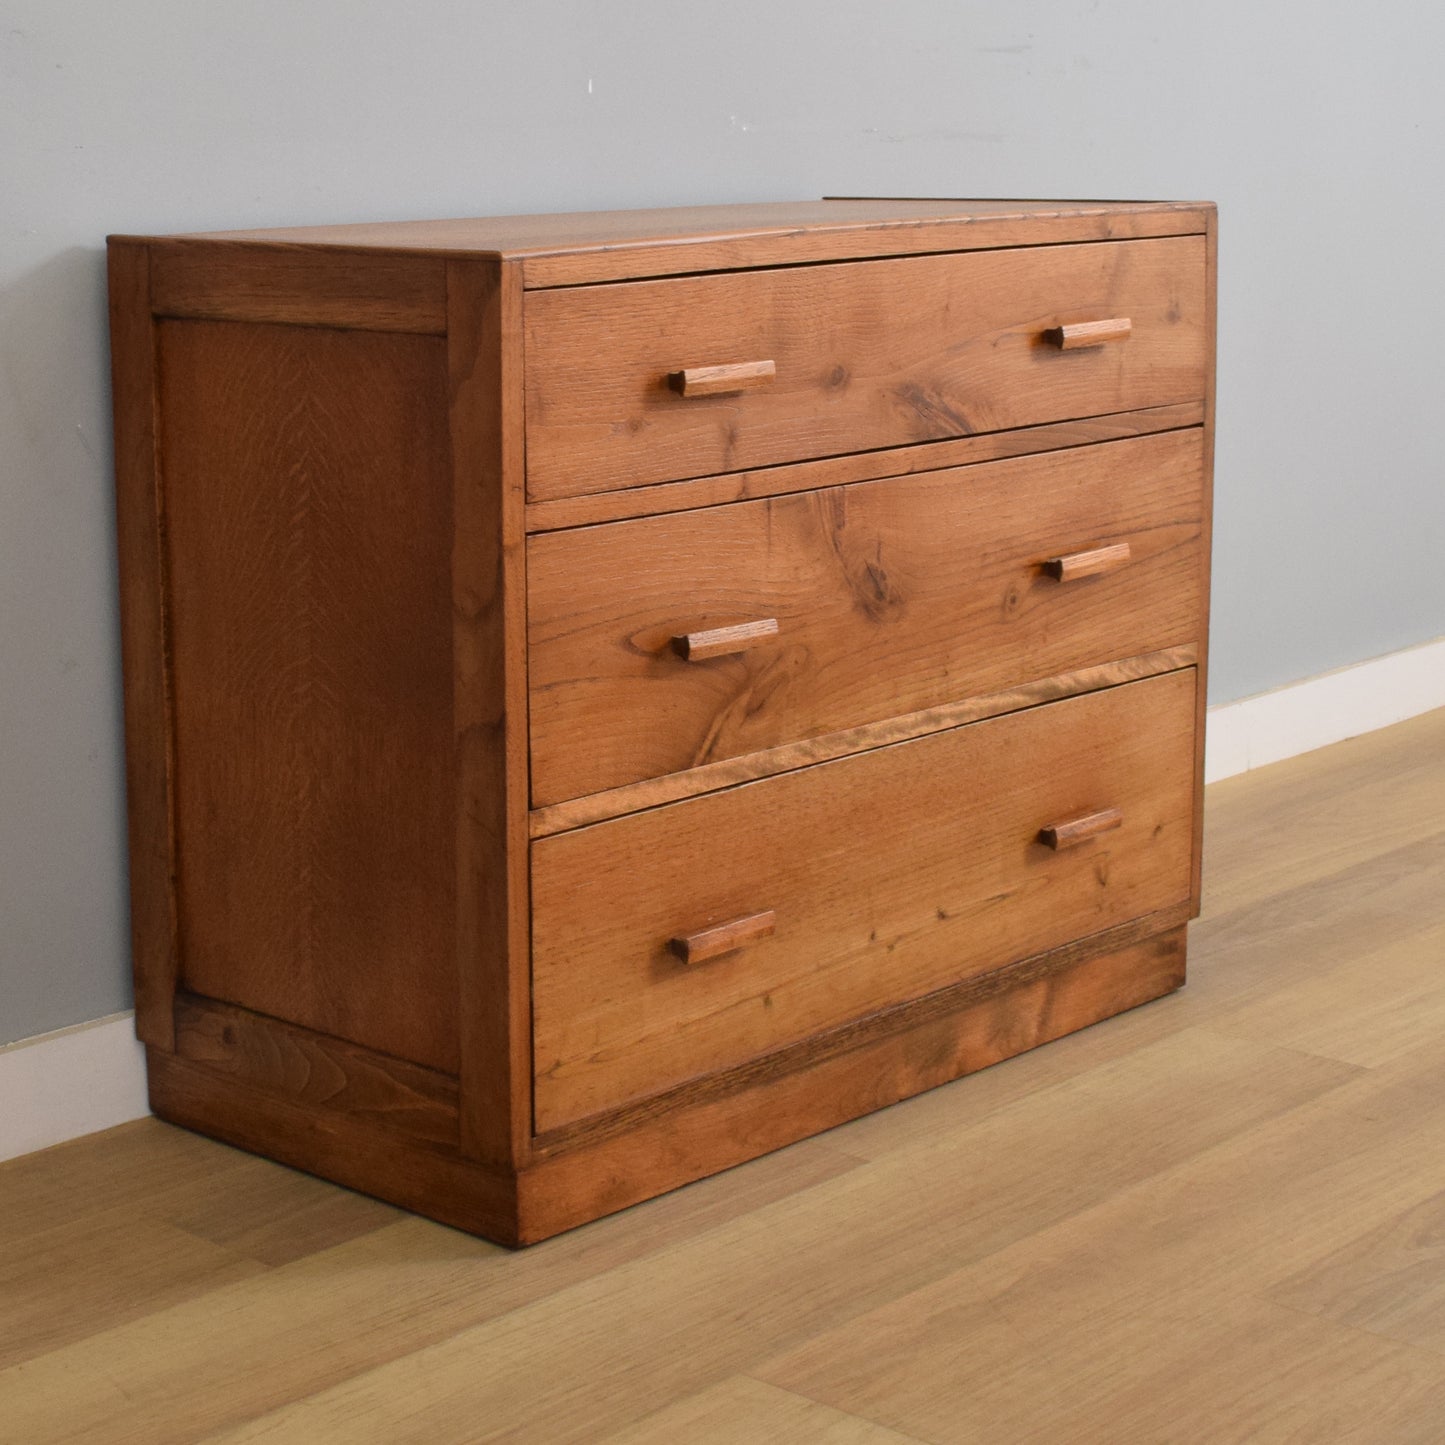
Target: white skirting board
1272 726
62 1085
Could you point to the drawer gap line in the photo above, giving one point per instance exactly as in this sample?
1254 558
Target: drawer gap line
632 278
726 488
729 773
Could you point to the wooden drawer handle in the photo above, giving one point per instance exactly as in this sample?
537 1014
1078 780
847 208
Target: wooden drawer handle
722 380
1078 334
712 942
698 646
1087 564
1080 830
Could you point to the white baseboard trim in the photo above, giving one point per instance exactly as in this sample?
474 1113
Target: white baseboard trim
59 1086
62 1085
1321 710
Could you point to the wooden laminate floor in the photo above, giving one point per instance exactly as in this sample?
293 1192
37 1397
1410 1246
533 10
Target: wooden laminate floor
1218 1218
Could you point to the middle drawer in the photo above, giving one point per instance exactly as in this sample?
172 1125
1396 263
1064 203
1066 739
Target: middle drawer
855 604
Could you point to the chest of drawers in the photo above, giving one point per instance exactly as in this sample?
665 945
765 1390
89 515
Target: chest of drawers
608 696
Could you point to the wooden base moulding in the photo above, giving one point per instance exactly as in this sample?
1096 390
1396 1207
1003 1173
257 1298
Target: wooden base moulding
275 1090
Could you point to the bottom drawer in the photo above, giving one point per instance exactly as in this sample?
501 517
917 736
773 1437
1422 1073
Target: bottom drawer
887 875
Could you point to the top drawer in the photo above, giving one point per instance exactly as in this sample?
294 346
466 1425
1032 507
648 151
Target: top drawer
863 354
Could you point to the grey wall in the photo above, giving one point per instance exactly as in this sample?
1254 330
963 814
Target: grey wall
1318 129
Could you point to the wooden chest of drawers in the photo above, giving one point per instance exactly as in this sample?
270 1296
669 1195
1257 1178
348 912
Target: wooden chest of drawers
608 696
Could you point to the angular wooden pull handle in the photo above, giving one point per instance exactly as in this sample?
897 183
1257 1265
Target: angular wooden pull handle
1075 335
697 646
1080 830
711 942
1087 564
722 380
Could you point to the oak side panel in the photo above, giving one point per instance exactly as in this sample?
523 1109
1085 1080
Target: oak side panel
312 1070
219 280
139 524
891 873
835 471
1207 542
874 354
888 597
1090 980
488 571
308 501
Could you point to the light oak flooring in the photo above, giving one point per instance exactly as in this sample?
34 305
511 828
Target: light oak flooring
1218 1218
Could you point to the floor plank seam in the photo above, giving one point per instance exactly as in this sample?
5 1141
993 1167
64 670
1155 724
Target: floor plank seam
903 1435
1323 1058
1428 1353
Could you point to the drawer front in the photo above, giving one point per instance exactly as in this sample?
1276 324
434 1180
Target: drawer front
865 602
887 875
842 358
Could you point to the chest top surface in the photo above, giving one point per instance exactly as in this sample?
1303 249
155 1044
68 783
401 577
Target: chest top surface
578 248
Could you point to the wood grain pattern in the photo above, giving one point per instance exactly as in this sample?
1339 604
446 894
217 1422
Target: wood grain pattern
235 282
1086 981
488 574
1273 1230
1385 1279
1148 1223
275 1217
585 247
890 597
663 497
313 1069
671 787
744 1409
369 1299
615 1017
155 949
350 1151
53 1287
900 1228
675 1111
308 513
1386 1008
1154 1323
857 230
798 477
1309 824
868 355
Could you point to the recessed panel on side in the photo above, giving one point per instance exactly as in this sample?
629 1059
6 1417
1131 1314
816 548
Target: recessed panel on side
306 501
